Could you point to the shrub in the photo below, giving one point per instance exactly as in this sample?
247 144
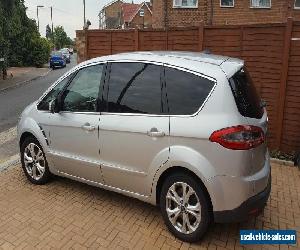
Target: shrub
40 51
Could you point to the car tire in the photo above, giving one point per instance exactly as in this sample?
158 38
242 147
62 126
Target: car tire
193 207
34 162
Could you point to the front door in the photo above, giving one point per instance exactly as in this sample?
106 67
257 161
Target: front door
134 132
74 138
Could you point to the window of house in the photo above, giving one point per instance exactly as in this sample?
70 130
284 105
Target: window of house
185 3
227 3
135 88
260 3
297 4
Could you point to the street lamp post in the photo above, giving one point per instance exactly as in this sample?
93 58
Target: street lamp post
51 18
37 14
84 19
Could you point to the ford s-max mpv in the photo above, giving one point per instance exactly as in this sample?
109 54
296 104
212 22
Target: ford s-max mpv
182 130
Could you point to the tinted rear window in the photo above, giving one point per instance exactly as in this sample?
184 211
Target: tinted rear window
186 92
245 95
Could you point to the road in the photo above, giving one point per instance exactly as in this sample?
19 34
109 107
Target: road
14 100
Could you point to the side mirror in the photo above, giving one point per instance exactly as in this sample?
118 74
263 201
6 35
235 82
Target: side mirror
52 105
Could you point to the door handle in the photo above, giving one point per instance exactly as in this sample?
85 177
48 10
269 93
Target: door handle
155 133
88 127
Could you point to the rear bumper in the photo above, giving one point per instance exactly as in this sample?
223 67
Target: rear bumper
248 208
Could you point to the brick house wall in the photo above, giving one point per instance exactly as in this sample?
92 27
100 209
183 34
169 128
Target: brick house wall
113 14
241 13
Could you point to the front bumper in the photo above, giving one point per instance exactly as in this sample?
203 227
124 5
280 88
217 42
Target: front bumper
57 64
248 208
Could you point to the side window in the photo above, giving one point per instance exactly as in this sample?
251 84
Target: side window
44 104
186 92
82 93
135 88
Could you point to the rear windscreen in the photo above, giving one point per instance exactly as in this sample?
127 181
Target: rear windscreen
245 95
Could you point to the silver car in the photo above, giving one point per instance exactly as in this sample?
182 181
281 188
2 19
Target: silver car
182 130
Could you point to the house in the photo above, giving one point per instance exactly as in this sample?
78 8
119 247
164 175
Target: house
121 15
137 15
171 13
110 15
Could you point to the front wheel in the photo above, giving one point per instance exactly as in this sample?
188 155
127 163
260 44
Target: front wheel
34 162
185 207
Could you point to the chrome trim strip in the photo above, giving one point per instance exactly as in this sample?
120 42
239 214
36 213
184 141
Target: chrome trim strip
74 158
116 168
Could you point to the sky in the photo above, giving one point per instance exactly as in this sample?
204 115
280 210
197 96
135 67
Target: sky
67 13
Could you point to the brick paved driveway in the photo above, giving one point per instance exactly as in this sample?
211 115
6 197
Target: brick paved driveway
67 214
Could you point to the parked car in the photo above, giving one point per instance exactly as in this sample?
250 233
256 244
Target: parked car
66 54
71 50
57 60
185 131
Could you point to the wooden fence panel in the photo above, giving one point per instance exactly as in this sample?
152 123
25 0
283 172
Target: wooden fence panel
99 44
183 40
291 121
262 49
223 41
122 41
152 40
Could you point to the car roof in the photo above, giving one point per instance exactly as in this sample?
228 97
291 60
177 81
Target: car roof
204 63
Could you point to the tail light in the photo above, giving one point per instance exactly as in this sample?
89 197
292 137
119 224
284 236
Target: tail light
239 137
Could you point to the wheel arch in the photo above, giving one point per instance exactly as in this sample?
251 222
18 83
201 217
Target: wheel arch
179 169
24 136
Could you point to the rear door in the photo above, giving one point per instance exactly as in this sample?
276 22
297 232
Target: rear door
134 130
250 106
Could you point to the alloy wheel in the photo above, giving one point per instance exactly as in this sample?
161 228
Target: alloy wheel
183 207
34 161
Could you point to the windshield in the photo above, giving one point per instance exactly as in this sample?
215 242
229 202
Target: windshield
245 95
56 53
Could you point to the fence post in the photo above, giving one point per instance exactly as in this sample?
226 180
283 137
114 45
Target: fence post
86 43
111 43
136 39
201 37
167 39
283 80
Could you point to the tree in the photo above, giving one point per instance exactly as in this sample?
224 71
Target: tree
48 32
19 34
61 38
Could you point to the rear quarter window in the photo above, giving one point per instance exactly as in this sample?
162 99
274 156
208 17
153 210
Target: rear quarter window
186 92
247 100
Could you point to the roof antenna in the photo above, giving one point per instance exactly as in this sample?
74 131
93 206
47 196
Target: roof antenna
207 51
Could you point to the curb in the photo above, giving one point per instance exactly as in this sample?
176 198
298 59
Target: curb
283 162
26 81
15 159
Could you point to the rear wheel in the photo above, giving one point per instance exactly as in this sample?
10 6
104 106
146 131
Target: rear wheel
34 162
185 207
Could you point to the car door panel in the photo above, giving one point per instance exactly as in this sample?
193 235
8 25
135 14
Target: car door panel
134 133
74 150
74 139
127 151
